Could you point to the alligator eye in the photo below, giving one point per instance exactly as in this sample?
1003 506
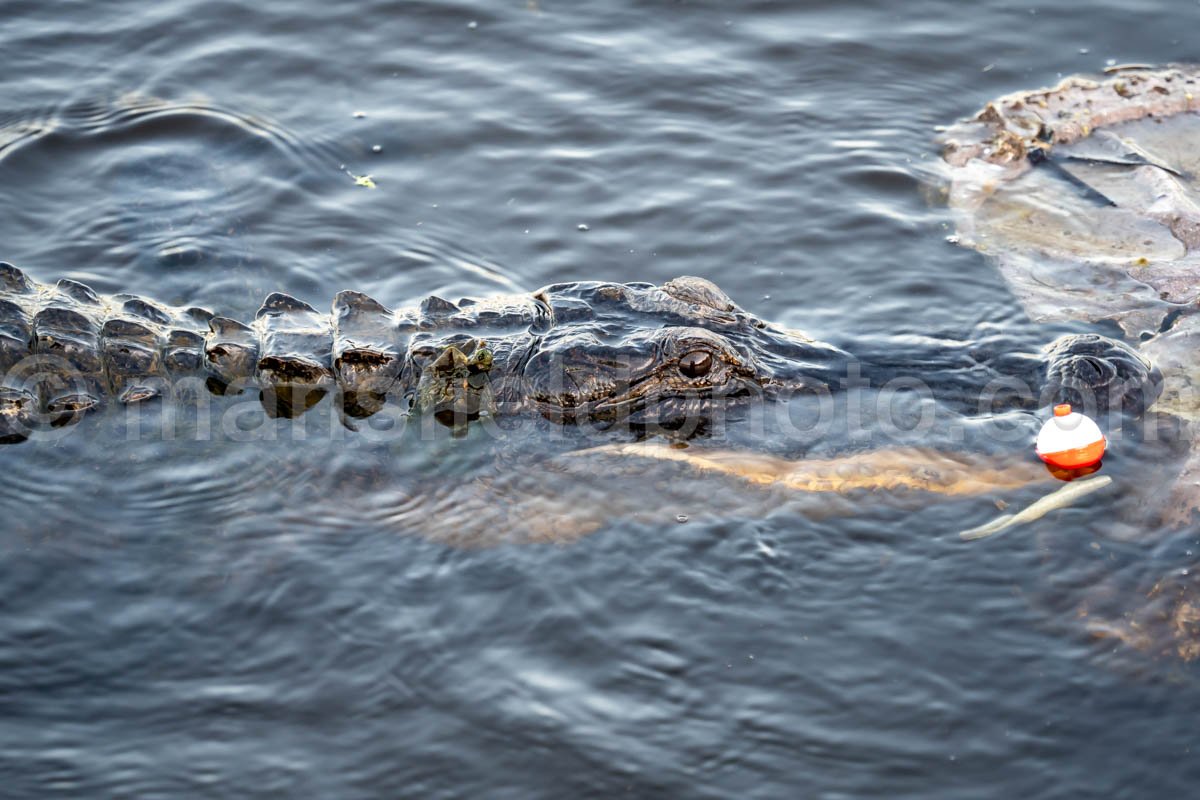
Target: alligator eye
1094 370
696 364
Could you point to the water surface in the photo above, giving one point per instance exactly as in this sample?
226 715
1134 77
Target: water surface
221 618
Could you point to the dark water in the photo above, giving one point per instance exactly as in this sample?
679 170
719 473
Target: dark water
271 618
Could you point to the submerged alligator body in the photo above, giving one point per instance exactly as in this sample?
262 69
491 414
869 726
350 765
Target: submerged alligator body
649 356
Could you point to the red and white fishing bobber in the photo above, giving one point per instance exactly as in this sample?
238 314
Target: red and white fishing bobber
1070 440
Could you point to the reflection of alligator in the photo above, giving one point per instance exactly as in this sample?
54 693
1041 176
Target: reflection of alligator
573 352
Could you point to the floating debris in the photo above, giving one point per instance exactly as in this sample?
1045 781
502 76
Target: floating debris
583 227
1084 194
363 180
1055 500
377 148
681 518
360 114
1113 66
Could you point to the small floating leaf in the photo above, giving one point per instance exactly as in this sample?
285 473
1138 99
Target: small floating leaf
363 180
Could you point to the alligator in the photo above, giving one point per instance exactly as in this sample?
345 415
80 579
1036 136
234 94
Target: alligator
662 358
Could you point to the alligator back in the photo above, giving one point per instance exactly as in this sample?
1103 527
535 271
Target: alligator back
65 349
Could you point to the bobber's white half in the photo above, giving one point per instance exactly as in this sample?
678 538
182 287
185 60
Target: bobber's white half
1070 440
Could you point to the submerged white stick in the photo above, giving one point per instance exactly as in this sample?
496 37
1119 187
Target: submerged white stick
1060 498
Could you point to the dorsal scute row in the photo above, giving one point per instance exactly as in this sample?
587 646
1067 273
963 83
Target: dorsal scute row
368 354
66 347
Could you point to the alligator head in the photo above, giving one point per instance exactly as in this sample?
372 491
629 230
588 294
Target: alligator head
668 356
